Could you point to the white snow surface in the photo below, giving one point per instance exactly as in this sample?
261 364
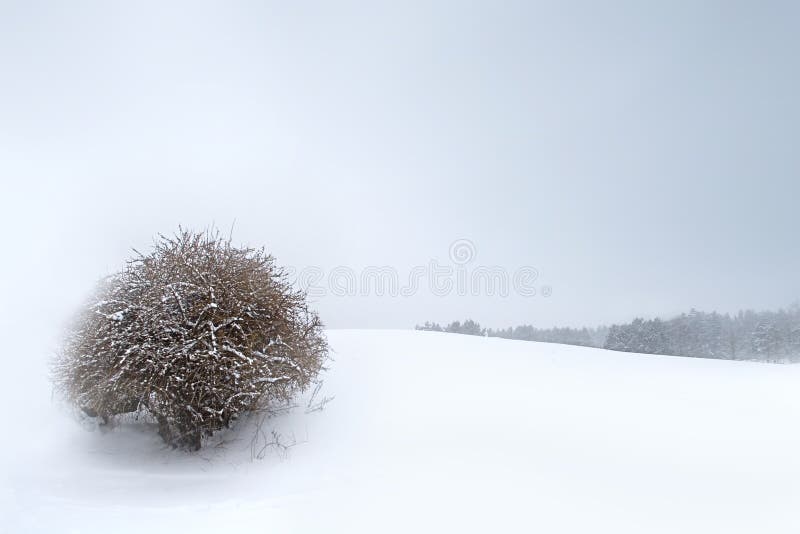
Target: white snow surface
432 432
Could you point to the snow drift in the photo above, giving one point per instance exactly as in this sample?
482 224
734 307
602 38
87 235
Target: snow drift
445 433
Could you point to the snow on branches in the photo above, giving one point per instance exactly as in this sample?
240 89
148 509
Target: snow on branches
195 333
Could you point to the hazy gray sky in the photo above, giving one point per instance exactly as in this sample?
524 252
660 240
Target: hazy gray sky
643 156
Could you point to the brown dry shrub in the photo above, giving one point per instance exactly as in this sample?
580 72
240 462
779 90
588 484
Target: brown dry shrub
195 334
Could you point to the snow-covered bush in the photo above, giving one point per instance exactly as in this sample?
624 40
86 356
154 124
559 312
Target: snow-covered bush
194 334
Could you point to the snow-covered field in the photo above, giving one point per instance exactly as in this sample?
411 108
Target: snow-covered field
435 432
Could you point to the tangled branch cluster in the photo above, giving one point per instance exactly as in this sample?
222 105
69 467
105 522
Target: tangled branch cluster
196 333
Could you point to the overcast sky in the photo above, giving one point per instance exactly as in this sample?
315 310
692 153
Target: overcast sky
641 156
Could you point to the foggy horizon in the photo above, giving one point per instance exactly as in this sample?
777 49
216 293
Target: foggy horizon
642 160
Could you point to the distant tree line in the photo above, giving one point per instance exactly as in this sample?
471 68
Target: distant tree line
468 327
587 337
748 335
772 336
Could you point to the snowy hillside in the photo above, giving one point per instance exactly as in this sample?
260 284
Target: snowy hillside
433 432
